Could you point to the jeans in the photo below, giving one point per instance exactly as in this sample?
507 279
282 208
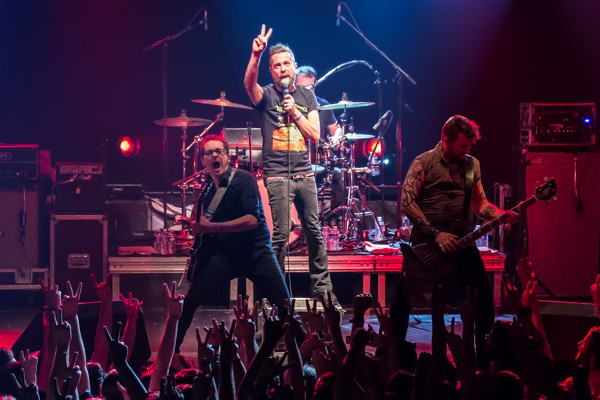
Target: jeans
303 193
264 272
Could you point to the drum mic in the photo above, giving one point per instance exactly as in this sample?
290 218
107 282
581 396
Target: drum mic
383 121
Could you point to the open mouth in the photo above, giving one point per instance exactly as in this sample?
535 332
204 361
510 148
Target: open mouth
216 164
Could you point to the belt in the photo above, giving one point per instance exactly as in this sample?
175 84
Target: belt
293 177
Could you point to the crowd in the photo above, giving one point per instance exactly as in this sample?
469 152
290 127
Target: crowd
304 358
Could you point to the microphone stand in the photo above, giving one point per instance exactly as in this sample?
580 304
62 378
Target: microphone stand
400 74
164 44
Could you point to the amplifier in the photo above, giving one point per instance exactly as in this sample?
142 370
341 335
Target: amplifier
80 188
558 124
19 162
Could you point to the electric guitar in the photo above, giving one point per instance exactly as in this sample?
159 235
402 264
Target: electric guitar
428 259
195 250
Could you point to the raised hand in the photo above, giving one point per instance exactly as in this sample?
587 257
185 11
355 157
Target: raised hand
61 394
168 389
71 301
524 270
332 315
70 373
60 330
385 322
513 295
132 305
29 364
259 44
22 390
52 295
454 340
361 303
313 318
102 289
205 349
117 349
203 381
273 327
175 301
229 346
294 325
245 327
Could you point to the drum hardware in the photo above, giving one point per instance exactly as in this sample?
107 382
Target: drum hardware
344 104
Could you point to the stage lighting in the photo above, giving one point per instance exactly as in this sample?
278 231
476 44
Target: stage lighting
129 146
372 146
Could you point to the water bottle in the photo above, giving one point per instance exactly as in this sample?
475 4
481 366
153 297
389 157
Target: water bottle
326 233
483 240
335 239
169 242
159 241
381 225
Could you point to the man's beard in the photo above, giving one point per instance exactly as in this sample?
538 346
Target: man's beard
281 82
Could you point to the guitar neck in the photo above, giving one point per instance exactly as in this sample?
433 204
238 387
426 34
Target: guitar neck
493 224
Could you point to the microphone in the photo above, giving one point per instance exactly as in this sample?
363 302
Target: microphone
285 86
205 19
338 16
383 121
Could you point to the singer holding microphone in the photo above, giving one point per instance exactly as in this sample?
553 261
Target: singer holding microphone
288 118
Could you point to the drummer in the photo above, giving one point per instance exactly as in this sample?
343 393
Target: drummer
331 131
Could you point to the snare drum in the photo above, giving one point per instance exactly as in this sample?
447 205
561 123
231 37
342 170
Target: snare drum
295 227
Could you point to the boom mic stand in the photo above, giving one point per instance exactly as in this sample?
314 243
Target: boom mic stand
163 44
400 74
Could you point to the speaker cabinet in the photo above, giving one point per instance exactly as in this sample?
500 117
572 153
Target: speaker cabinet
564 233
31 338
19 228
78 248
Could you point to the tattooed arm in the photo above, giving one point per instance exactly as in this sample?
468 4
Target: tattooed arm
482 207
411 190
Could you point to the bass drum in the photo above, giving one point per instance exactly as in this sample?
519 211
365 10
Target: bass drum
295 227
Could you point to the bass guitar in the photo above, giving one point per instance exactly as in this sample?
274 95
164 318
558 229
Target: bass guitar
428 259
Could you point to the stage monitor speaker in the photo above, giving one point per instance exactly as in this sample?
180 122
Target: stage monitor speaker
564 232
78 248
19 228
31 338
566 323
80 188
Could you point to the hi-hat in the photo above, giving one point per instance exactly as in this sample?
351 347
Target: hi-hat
343 104
358 136
222 102
182 122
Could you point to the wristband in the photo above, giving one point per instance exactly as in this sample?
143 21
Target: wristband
297 118
433 232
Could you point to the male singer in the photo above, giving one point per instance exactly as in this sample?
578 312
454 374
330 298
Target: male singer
288 117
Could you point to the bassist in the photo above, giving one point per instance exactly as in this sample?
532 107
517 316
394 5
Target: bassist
442 187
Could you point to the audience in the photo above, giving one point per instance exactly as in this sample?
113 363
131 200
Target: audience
317 364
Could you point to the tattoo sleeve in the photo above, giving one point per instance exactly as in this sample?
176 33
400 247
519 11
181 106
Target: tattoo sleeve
411 190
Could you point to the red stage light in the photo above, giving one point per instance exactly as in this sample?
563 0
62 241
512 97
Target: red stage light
371 145
129 146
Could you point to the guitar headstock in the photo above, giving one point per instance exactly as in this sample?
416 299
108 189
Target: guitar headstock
545 191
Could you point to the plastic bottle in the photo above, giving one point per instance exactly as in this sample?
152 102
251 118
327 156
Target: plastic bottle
335 239
326 233
159 241
170 242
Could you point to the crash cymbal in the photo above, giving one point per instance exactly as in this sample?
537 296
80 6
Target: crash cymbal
222 102
343 104
358 136
182 122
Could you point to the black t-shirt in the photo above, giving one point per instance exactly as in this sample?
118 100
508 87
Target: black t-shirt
281 136
241 198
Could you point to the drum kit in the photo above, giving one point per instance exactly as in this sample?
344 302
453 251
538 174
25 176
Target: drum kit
356 220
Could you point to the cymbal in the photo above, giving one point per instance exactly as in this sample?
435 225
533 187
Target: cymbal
358 136
343 104
222 103
182 122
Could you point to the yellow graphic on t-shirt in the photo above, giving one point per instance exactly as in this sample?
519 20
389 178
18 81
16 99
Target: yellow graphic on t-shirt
288 137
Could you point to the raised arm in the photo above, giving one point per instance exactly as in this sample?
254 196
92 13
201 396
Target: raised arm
259 44
166 347
132 308
70 310
105 318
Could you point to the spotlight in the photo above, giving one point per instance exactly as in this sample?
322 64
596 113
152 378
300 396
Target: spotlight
129 146
372 146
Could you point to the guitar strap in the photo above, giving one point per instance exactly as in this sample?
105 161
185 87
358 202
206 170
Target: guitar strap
212 207
469 178
216 200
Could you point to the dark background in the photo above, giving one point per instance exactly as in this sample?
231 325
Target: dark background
74 77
